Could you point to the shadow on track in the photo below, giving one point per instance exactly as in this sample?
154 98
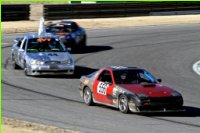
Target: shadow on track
189 112
90 49
79 71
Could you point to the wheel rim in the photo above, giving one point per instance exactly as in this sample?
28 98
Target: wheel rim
87 96
123 104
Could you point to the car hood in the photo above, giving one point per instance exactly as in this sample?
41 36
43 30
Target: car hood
151 90
50 56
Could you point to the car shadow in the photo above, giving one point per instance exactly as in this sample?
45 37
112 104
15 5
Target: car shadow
82 70
189 112
90 49
79 71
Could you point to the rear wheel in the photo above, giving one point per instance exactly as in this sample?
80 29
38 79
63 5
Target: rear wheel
87 96
123 104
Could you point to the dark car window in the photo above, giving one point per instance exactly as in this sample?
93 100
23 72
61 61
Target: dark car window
105 76
133 77
62 27
45 45
74 26
58 29
19 43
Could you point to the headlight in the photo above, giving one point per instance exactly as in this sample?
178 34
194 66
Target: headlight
36 62
69 62
176 94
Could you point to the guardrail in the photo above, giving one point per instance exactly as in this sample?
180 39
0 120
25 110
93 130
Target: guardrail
103 10
15 12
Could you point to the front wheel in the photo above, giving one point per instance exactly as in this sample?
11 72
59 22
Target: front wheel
87 96
123 104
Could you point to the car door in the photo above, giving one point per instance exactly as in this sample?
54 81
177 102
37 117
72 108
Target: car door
103 87
76 33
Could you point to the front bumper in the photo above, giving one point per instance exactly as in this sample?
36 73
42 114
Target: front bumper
146 107
50 69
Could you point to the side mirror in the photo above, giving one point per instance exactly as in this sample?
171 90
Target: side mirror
159 80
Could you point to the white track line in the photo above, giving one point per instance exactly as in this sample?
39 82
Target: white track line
4 43
196 67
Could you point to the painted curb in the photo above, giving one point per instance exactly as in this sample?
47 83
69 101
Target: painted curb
196 67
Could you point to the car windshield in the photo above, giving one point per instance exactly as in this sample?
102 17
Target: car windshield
59 29
135 76
45 45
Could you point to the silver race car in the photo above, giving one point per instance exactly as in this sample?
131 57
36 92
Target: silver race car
41 54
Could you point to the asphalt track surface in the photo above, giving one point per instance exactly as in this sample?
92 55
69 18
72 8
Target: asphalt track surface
168 52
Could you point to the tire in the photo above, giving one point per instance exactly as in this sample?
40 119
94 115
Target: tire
123 104
87 96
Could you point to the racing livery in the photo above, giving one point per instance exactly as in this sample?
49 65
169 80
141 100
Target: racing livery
129 89
69 33
41 54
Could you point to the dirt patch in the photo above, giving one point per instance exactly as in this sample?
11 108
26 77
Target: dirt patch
17 126
32 26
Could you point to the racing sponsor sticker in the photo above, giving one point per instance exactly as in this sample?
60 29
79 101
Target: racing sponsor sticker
43 39
102 88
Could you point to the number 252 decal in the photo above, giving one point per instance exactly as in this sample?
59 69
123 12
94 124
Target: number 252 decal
102 88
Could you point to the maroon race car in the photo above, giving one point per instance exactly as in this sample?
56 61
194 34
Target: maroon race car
129 89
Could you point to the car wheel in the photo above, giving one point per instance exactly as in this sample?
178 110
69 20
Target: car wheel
123 104
87 96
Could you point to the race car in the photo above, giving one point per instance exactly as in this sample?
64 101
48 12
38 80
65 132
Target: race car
69 33
129 89
39 55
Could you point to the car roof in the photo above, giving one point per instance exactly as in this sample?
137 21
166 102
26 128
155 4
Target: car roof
35 35
60 22
115 68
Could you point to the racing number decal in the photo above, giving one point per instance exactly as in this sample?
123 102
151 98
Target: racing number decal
102 88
